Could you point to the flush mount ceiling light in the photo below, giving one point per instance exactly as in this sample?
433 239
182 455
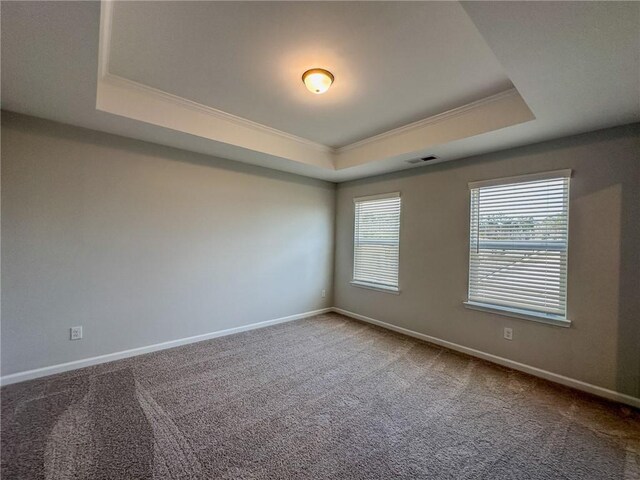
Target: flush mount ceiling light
317 80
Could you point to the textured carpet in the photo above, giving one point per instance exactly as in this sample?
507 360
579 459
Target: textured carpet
326 397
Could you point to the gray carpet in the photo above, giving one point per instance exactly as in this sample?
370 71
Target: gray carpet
326 397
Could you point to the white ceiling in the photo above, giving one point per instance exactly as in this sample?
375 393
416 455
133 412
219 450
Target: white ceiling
393 63
576 65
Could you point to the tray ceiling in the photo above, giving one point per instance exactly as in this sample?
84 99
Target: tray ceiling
412 78
394 63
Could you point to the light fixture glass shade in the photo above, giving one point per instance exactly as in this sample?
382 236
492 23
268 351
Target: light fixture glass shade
317 80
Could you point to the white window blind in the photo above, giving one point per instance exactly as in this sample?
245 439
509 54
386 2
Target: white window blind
518 244
376 241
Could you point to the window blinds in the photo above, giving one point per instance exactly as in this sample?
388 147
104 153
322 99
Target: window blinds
376 240
518 243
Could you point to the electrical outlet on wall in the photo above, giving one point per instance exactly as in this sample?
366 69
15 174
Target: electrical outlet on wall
324 293
75 333
508 333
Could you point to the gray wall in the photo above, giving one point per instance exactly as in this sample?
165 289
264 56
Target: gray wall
143 244
603 345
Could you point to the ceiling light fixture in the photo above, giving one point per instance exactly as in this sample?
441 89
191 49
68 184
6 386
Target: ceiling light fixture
317 80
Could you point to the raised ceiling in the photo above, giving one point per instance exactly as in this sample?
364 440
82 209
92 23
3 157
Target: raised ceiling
224 78
394 64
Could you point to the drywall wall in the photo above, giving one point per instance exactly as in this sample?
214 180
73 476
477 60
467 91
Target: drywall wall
602 345
142 244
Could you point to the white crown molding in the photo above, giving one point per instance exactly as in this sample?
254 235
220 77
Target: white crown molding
139 102
499 111
134 100
104 55
105 77
213 112
121 96
440 117
104 44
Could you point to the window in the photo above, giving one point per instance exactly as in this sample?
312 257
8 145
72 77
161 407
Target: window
518 246
377 241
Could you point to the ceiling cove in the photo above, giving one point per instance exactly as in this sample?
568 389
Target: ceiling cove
134 100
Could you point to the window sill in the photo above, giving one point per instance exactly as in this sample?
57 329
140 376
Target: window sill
373 286
516 313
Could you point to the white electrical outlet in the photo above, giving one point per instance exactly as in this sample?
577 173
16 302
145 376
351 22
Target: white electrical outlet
76 333
508 333
324 293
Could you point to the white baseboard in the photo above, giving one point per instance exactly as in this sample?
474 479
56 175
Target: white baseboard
110 357
537 372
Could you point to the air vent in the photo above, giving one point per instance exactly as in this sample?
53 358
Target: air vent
428 158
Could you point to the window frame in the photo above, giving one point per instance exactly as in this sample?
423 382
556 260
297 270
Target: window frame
541 317
372 285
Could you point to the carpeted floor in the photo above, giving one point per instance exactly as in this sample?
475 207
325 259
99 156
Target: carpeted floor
326 397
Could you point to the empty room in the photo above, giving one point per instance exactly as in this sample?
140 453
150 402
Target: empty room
320 240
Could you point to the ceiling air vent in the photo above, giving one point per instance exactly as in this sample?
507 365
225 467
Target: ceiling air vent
428 158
